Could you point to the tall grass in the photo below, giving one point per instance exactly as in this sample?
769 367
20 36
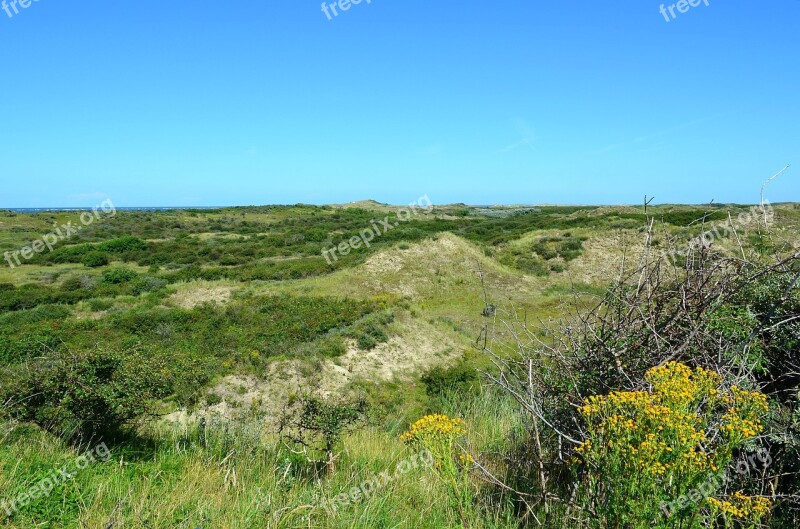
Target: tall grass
236 476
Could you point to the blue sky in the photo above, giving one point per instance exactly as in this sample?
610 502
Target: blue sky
180 102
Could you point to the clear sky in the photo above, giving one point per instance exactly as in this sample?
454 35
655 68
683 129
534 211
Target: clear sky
180 102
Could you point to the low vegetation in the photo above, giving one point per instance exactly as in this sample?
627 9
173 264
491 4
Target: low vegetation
554 378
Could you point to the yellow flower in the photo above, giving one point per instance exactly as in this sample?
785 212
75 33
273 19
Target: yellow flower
672 431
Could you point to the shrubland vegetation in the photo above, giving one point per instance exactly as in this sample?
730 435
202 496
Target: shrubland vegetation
656 379
643 410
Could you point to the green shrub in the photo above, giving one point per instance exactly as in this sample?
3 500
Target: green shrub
568 248
31 341
212 399
100 304
143 284
117 276
532 265
332 347
124 244
72 283
370 335
318 424
366 342
459 378
91 393
41 313
95 259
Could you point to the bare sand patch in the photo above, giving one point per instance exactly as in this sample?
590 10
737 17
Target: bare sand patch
195 293
416 347
604 256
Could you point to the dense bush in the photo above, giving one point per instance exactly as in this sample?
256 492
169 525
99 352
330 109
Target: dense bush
95 259
123 244
677 438
89 394
739 319
116 276
370 332
459 378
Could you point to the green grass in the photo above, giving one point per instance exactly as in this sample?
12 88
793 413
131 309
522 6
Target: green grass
236 476
417 288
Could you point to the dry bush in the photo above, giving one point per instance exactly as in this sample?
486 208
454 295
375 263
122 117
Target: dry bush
737 316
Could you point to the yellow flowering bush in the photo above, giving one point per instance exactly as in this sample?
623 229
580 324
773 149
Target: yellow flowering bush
645 449
440 435
746 510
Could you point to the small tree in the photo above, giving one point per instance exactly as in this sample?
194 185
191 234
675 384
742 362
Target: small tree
89 393
311 423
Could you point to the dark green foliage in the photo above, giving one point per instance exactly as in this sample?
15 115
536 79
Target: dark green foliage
94 393
75 289
201 343
459 378
122 245
35 315
143 284
736 324
370 332
116 276
95 259
30 296
34 341
531 265
371 336
568 248
534 259
772 303
98 305
71 284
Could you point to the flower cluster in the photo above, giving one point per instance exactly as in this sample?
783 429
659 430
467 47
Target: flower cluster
666 437
435 425
742 507
678 384
440 435
742 419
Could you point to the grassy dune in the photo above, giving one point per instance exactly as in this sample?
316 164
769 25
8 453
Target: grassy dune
241 314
